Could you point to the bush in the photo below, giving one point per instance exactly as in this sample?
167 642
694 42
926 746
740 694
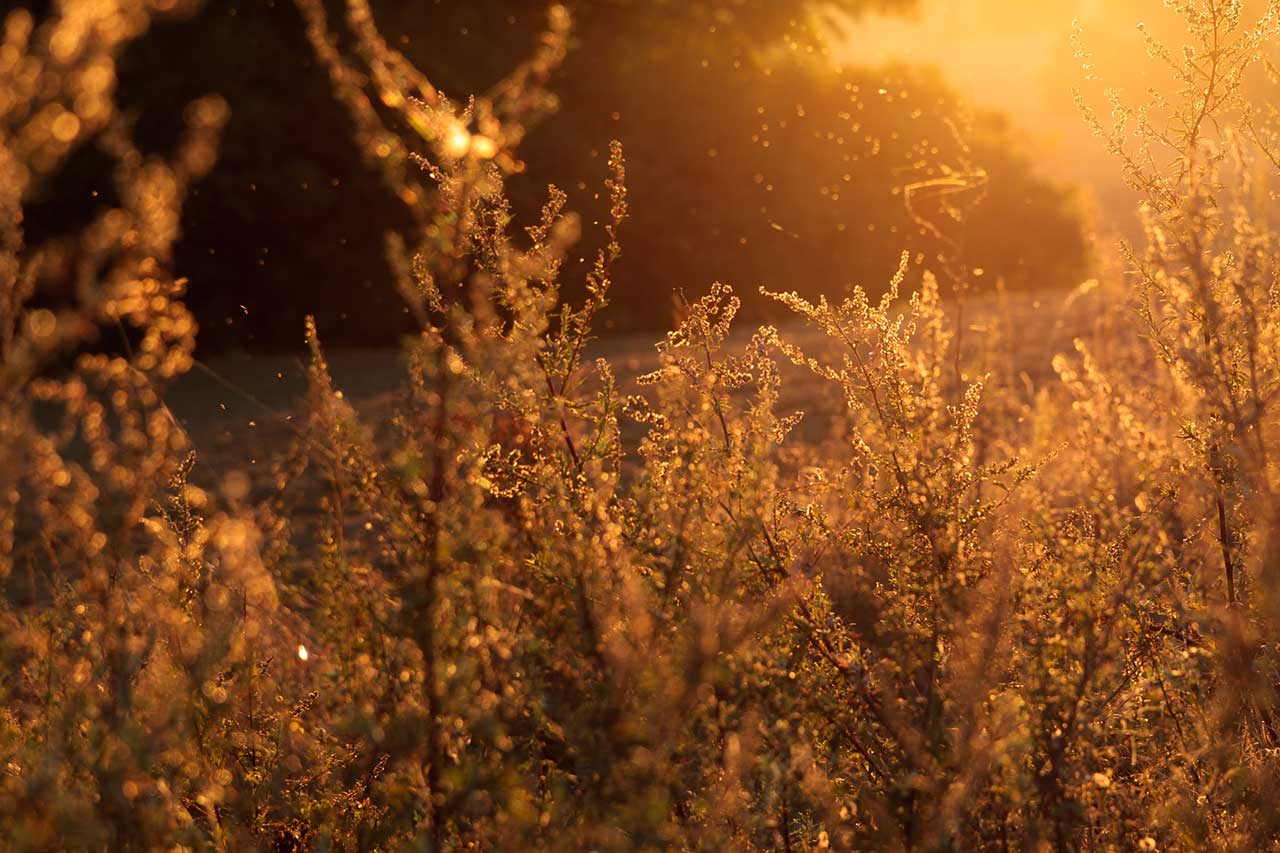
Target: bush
530 609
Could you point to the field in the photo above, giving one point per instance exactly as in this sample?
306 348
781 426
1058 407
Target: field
932 563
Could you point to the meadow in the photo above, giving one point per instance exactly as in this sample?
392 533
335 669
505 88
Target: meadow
933 564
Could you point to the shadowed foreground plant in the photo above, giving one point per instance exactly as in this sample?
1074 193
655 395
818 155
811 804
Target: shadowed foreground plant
146 666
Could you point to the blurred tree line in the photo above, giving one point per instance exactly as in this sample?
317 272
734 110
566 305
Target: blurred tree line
752 159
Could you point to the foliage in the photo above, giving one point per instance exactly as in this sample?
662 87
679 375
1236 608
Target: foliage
532 609
289 222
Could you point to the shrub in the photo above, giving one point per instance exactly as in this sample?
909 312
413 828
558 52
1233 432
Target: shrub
531 609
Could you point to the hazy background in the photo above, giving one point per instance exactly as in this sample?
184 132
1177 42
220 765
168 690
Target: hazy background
1018 57
760 152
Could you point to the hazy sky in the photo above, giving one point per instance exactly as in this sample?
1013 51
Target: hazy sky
1017 56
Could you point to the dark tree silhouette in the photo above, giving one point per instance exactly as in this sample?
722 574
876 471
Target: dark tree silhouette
753 159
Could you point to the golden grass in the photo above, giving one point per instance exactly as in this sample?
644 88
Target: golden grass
528 606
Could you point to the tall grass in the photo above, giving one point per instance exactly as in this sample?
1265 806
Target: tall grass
533 610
